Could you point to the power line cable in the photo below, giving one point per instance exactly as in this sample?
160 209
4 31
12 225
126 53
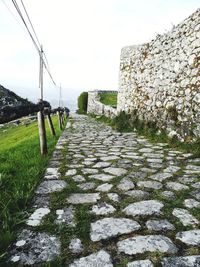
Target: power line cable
46 60
45 64
30 23
13 15
21 16
37 46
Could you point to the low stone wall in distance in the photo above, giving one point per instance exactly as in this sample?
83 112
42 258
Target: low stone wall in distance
98 108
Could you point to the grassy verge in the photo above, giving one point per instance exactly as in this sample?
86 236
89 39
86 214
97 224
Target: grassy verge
128 123
109 99
21 169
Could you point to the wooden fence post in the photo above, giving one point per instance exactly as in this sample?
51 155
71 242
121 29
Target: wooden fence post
42 133
50 124
62 120
59 120
65 115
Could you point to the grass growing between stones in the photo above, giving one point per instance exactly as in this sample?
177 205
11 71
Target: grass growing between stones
82 219
129 123
21 169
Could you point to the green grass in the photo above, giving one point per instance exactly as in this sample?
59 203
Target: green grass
21 169
109 99
82 103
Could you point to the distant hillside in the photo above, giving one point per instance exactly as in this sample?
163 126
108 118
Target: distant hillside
9 98
13 106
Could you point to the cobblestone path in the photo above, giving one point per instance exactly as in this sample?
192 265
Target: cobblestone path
113 199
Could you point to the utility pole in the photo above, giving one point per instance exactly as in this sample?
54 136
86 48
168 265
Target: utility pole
41 120
41 74
59 104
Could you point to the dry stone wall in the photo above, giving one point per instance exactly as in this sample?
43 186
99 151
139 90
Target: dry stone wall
160 80
98 108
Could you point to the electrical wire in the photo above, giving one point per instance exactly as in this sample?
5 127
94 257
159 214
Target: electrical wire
35 42
30 23
21 16
13 15
46 65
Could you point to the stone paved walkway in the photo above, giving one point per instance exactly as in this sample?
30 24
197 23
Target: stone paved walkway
112 199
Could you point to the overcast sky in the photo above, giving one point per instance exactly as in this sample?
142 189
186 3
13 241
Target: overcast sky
82 40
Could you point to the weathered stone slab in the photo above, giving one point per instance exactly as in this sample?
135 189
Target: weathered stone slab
191 203
102 164
89 171
196 185
137 194
83 198
35 248
148 243
114 197
98 259
147 170
126 184
37 216
146 150
196 194
87 186
104 187
136 158
168 194
78 156
185 217
51 186
144 208
76 166
155 165
154 160
66 216
103 209
115 171
187 261
109 158
150 184
124 162
78 178
193 168
76 246
187 179
52 174
161 176
90 157
141 263
41 201
172 169
71 172
176 186
191 237
159 225
102 177
110 227
88 163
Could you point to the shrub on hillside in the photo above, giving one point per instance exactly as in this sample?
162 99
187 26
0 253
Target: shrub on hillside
82 103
